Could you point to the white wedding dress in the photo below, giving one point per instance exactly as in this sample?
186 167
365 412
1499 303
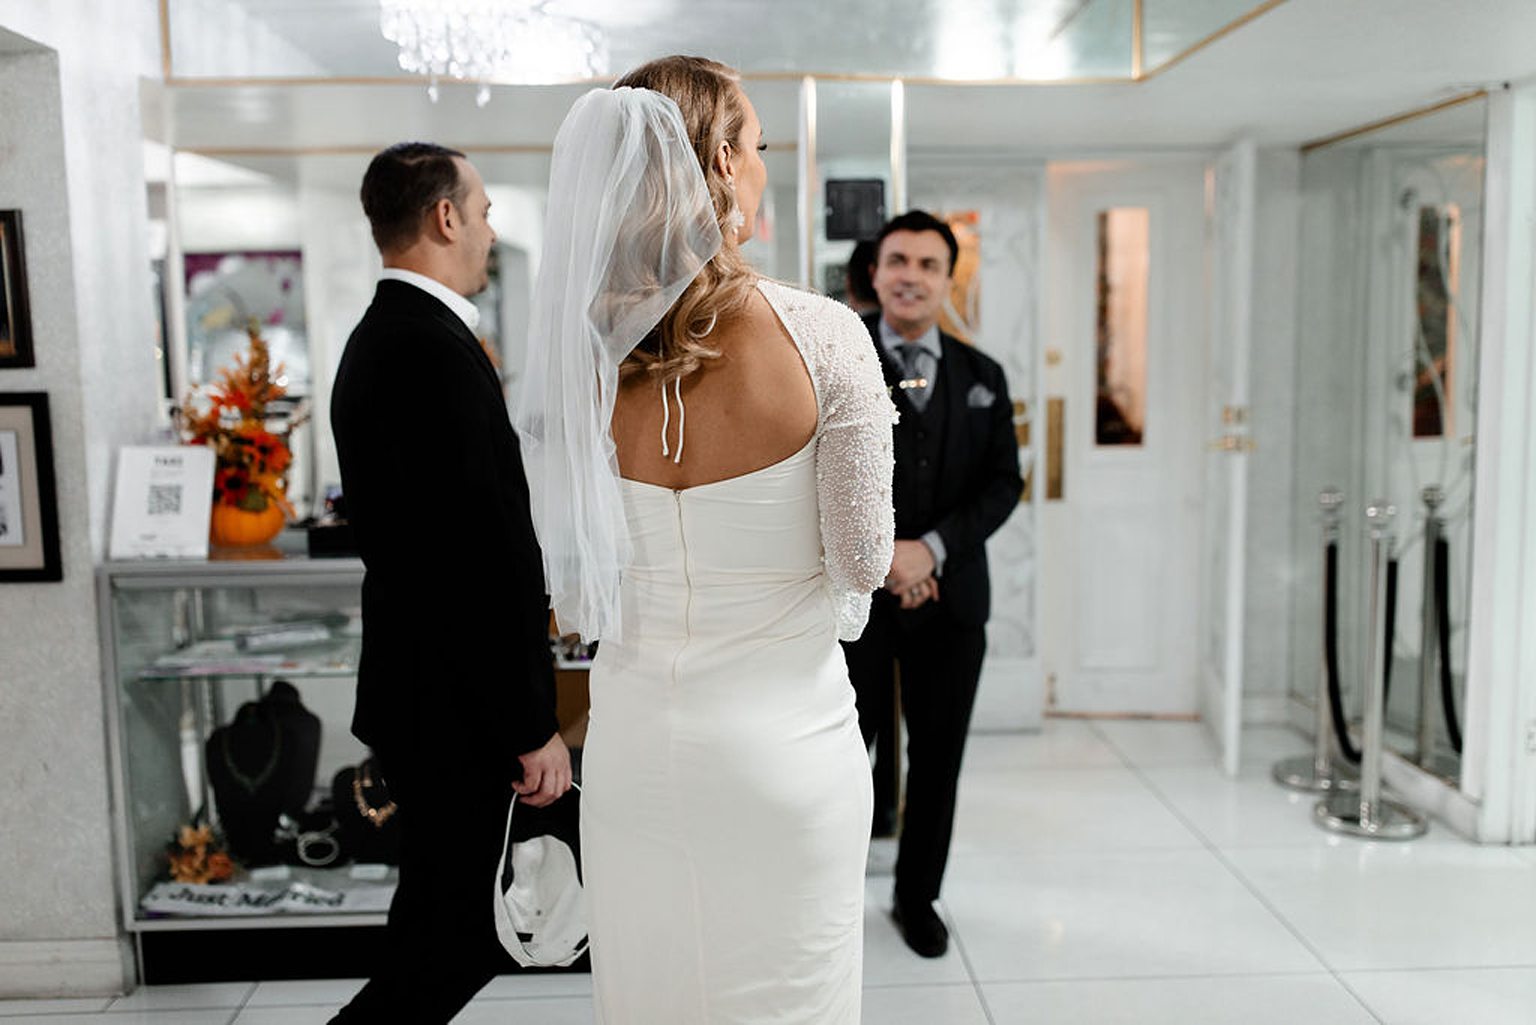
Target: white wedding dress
726 802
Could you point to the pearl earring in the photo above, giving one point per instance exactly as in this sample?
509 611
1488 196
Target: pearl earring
734 218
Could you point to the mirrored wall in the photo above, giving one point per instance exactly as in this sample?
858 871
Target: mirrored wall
273 233
1387 377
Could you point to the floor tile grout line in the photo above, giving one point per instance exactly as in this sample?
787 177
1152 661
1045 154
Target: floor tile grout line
1320 972
970 970
1146 781
1247 884
1527 967
245 1002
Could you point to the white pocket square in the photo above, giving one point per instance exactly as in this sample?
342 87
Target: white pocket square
980 396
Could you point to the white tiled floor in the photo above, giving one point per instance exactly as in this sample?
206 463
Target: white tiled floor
1105 873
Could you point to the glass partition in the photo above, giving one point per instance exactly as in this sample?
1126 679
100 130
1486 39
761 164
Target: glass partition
855 185
1389 333
1170 28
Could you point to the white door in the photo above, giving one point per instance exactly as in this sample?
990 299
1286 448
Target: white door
1124 387
1231 200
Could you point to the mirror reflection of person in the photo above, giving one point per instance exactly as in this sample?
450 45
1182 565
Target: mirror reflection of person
455 689
858 287
726 790
957 480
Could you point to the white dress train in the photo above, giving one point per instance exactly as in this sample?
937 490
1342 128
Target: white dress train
726 801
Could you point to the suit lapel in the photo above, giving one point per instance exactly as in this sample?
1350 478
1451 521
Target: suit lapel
954 371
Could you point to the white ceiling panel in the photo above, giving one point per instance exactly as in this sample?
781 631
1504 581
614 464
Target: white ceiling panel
964 39
1306 69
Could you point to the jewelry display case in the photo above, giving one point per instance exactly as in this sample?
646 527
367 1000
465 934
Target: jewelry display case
229 691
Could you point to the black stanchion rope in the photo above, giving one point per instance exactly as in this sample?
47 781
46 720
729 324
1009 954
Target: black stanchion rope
1331 647
1331 653
1391 630
1443 628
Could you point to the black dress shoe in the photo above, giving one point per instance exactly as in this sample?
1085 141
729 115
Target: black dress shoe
922 928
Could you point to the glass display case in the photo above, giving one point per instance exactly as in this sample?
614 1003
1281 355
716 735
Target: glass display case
199 657
230 686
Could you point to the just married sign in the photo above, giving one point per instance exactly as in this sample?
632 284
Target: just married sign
233 899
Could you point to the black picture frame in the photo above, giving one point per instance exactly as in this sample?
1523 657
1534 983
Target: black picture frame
15 310
29 507
855 207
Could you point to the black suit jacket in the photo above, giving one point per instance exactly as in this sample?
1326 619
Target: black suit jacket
455 667
978 481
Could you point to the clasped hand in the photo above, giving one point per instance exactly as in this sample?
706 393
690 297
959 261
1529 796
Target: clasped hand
912 577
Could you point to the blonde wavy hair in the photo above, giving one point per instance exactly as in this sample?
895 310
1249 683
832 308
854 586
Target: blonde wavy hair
709 95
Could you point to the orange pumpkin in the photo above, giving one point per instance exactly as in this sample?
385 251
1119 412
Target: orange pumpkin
233 527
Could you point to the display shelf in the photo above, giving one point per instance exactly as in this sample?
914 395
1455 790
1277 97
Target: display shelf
301 892
186 643
333 659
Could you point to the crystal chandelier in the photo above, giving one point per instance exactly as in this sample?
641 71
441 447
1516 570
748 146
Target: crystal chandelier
512 41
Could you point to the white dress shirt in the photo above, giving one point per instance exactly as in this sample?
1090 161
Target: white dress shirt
461 307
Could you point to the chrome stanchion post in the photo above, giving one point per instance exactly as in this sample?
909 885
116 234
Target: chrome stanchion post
1429 639
1367 813
1317 773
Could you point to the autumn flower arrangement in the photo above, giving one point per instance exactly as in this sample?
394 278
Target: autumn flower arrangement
232 417
196 857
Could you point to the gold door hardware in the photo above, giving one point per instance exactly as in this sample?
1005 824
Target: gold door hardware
1055 435
1233 416
1232 443
1021 435
1053 357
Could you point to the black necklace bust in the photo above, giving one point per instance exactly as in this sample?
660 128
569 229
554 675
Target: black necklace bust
262 766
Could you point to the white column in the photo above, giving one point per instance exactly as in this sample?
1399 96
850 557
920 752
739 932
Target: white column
1500 749
809 184
898 148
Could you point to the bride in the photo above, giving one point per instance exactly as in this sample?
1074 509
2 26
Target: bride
710 458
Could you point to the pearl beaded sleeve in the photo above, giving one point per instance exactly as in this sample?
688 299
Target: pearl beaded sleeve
855 454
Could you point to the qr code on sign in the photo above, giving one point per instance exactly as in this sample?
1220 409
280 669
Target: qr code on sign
164 499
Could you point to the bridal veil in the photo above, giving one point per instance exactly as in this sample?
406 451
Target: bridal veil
629 224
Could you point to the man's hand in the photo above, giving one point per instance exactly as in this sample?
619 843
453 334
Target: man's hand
912 565
924 592
546 773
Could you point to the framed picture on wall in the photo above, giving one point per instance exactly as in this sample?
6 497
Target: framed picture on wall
29 508
15 316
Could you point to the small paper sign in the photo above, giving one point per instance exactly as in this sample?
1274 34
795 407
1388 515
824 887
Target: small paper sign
237 899
164 502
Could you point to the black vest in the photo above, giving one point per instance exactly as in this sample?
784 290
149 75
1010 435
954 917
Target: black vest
919 454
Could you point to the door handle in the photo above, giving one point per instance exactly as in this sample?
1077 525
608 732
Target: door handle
1231 443
1055 439
1021 436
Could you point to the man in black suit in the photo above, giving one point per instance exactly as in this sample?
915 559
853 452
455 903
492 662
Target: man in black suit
455 693
957 480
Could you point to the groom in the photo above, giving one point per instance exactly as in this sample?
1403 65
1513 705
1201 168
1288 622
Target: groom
455 691
957 480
